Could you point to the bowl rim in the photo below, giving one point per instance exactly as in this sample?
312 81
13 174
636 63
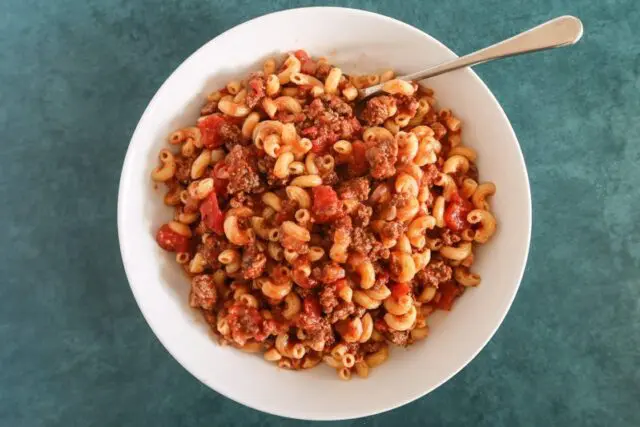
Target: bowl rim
218 388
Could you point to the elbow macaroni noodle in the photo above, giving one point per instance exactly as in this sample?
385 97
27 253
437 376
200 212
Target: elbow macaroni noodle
312 235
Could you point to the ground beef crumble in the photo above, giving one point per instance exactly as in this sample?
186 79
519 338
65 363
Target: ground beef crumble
433 274
329 298
448 237
362 215
183 168
243 175
406 104
253 262
342 311
329 272
399 338
392 230
203 292
231 135
211 248
364 241
318 329
354 189
382 157
328 119
371 346
377 110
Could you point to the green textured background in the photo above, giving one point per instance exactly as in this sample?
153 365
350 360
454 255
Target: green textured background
75 76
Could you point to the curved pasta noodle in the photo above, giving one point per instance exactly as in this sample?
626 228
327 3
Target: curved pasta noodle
467 152
398 306
191 134
401 323
305 79
287 103
377 358
200 164
367 328
306 181
419 333
231 108
167 170
292 306
266 128
291 65
350 329
199 190
409 211
449 187
407 146
484 190
456 253
398 87
465 277
364 300
272 355
299 195
272 200
456 164
276 291
487 224
288 349
468 187
272 86
407 184
417 229
374 134
378 293
332 80
234 233
402 267
421 259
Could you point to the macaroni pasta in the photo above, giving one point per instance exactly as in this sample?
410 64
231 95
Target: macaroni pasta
315 235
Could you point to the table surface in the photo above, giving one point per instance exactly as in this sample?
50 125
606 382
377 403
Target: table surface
75 76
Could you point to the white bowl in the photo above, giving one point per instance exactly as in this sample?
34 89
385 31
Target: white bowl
357 41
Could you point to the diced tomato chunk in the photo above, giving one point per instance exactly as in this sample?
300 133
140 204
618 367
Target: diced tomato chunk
323 143
455 216
358 162
311 306
211 214
301 54
340 284
281 217
326 206
400 289
210 129
171 241
449 292
307 65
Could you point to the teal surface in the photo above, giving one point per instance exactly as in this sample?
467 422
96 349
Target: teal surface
75 76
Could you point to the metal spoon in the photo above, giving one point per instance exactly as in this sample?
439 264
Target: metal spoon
558 32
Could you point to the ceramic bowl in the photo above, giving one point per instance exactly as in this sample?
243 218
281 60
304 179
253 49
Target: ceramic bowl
359 42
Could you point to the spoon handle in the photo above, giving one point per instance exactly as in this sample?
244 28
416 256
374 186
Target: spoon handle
558 32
